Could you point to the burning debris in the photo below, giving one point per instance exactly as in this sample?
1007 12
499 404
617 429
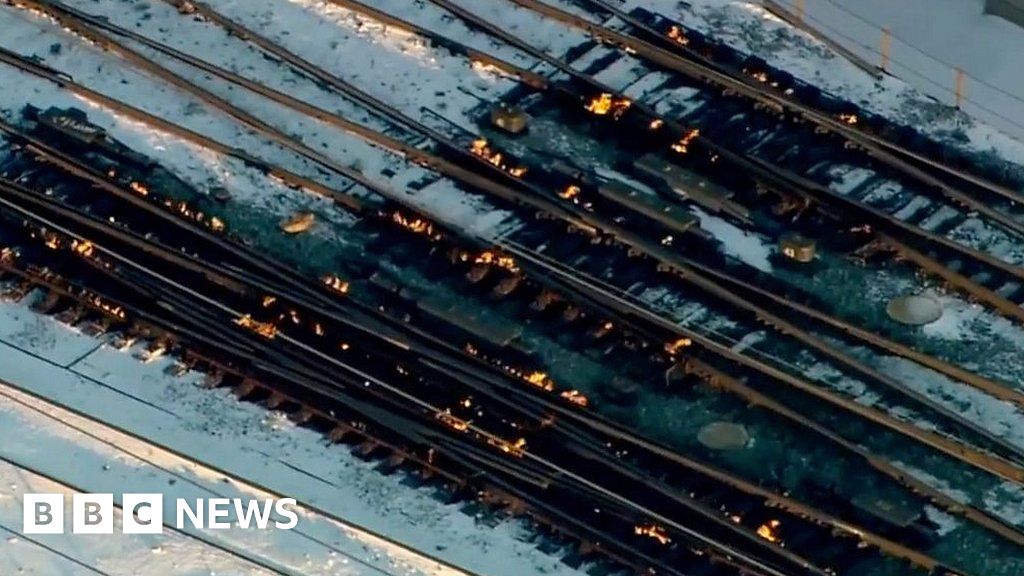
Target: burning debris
570 193
517 448
453 422
139 188
540 380
264 329
576 397
181 207
673 348
493 259
82 247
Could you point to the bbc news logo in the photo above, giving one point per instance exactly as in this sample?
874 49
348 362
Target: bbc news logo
144 513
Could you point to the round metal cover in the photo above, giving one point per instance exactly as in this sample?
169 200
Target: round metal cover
723 436
914 310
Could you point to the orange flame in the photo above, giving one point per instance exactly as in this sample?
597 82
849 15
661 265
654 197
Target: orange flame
606 104
675 33
652 531
769 531
683 145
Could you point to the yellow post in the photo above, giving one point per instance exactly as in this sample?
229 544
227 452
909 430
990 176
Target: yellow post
961 80
886 47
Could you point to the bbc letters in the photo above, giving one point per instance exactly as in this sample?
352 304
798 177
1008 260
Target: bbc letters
144 513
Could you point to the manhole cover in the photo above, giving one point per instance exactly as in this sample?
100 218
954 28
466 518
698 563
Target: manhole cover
723 436
914 310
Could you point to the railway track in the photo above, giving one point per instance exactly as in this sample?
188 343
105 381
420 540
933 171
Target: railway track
788 505
691 270
922 248
67 416
925 261
985 276
648 36
527 465
805 100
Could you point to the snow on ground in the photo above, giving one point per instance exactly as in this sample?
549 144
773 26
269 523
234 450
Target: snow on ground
103 72
746 26
544 33
277 25
88 65
430 17
1004 493
198 166
254 445
1004 500
1001 418
83 455
964 321
958 34
399 68
165 24
116 555
749 247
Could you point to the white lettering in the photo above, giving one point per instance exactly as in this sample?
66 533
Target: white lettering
281 508
183 509
218 508
253 508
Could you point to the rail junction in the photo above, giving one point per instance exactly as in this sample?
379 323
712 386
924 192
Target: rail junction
421 388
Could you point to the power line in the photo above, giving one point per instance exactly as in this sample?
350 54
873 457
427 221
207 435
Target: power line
921 51
913 71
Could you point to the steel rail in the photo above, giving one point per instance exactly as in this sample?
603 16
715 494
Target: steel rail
997 525
630 238
1004 192
822 195
750 163
1000 391
598 290
417 402
671 61
19 398
291 377
858 531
